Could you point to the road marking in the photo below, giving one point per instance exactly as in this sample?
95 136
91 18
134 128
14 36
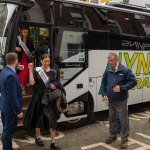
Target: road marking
13 143
143 135
143 145
31 140
131 118
141 117
102 122
147 112
144 114
98 144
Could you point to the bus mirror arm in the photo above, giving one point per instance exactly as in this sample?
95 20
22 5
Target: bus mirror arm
58 60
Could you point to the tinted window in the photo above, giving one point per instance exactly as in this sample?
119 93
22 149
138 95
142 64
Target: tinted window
126 23
97 24
72 47
69 15
96 18
39 13
147 26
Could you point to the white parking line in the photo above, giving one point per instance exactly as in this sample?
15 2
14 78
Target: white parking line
31 140
145 116
98 144
143 135
147 112
136 119
142 145
14 145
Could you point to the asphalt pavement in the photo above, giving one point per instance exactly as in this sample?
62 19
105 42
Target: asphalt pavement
92 135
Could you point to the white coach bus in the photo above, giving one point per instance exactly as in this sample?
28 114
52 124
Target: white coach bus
79 36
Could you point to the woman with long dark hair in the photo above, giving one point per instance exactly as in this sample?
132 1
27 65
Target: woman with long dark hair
39 116
24 47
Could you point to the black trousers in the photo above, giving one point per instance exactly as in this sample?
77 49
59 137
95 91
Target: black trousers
9 121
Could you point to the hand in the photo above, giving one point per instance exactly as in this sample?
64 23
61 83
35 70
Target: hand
53 87
105 98
18 49
30 66
116 89
20 115
20 67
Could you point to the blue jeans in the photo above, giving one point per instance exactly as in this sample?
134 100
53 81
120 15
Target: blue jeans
9 121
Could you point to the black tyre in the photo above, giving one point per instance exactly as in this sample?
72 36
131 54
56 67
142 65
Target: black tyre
76 123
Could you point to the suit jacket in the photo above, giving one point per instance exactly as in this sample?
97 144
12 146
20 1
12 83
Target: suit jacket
11 93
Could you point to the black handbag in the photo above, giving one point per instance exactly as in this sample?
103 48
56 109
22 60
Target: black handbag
53 95
58 96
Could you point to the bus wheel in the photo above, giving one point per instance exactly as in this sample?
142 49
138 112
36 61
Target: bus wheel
76 123
72 124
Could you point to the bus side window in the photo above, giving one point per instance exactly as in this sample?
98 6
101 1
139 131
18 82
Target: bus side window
147 26
126 23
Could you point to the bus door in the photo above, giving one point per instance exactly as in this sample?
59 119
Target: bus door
70 56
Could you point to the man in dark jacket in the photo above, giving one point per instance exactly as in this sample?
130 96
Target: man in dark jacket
10 100
117 80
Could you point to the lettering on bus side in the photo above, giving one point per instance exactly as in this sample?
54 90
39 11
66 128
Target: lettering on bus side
140 62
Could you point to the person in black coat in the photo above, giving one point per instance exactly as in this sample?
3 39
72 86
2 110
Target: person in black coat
39 116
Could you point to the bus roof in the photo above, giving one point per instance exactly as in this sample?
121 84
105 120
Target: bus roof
109 5
112 5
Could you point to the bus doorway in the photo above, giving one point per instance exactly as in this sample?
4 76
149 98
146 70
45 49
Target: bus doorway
40 36
70 53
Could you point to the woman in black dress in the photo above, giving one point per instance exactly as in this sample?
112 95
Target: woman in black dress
38 116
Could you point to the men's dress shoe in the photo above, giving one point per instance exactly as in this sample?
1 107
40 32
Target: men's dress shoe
39 142
123 144
111 139
53 146
16 148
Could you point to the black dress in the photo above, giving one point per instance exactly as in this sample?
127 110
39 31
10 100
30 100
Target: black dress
38 115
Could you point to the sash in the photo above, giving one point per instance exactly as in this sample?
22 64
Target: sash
24 47
43 75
